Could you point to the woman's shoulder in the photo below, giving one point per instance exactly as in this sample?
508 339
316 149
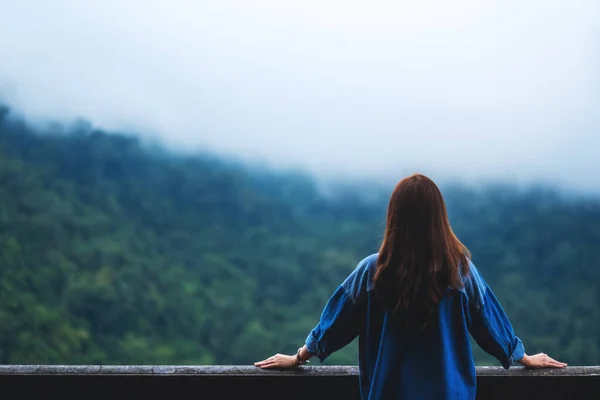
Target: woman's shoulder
360 280
368 265
472 276
369 261
474 286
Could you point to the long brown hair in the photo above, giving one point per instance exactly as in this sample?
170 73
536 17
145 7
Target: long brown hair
420 256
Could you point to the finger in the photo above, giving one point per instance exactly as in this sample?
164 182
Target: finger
263 362
554 363
267 359
268 364
259 364
560 364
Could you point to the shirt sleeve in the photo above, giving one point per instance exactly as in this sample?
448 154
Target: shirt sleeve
489 325
343 317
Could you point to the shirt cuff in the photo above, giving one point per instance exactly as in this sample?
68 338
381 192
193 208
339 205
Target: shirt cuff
517 354
312 345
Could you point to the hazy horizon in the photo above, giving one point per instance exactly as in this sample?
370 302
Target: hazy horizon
507 90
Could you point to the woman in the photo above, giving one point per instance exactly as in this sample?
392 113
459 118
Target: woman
414 306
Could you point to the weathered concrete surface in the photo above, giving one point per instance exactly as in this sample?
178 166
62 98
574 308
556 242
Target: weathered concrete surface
243 381
248 370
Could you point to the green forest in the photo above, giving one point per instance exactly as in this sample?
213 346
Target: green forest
113 251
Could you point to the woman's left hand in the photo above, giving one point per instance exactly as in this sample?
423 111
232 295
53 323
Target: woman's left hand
280 361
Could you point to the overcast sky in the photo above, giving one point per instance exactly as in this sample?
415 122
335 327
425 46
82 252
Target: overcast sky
470 89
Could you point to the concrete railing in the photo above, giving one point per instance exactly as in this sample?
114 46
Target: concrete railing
237 382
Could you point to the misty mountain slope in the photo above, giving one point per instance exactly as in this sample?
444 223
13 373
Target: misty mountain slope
113 253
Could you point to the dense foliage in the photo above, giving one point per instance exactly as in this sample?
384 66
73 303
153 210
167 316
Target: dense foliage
111 252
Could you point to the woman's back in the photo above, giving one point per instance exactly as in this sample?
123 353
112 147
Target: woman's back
434 362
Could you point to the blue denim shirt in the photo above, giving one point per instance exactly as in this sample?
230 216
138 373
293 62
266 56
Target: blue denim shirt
436 363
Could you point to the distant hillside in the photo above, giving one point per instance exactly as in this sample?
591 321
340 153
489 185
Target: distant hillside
112 253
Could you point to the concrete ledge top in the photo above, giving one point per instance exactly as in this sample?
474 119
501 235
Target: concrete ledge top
249 370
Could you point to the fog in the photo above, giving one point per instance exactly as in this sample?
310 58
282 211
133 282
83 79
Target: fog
467 90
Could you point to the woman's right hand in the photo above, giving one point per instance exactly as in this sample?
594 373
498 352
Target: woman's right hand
541 360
